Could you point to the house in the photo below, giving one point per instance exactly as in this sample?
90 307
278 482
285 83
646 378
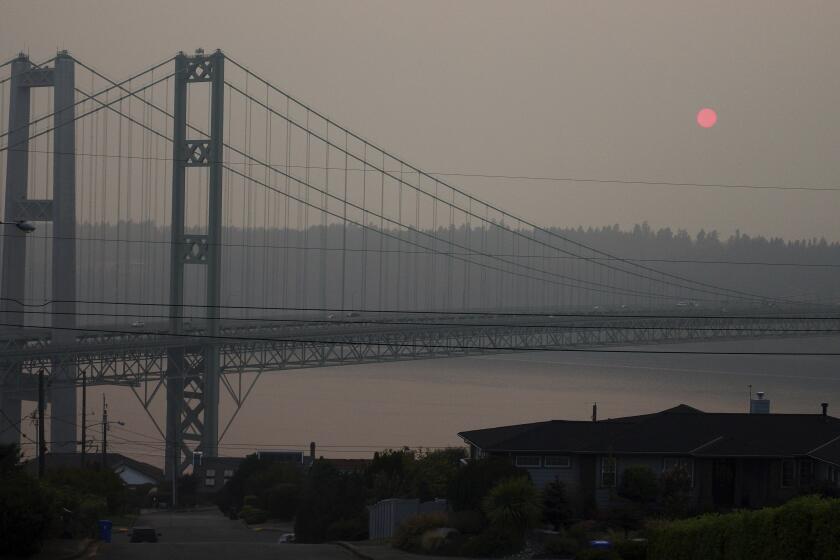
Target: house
214 472
733 460
132 472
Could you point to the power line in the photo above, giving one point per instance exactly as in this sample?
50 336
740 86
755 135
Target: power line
826 188
427 252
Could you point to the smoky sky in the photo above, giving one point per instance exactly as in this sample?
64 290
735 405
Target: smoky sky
583 89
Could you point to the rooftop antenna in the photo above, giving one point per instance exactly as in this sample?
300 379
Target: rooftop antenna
749 387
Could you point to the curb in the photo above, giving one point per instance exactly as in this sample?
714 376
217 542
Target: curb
91 545
354 549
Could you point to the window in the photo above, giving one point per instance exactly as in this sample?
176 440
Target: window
228 473
557 461
527 460
608 467
787 473
210 472
210 482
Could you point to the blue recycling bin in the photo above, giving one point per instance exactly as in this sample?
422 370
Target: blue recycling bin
105 527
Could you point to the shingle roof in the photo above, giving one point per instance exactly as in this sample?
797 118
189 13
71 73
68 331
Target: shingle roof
73 460
682 430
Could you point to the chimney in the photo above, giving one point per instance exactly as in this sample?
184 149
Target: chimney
311 451
824 409
759 405
594 412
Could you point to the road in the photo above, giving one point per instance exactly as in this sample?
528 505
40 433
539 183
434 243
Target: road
210 536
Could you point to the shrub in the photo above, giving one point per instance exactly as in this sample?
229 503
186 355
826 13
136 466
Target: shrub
676 491
631 550
582 531
252 515
281 500
627 516
409 534
24 514
556 507
251 500
353 529
804 528
513 504
471 483
468 522
328 496
596 554
493 542
639 484
438 540
561 546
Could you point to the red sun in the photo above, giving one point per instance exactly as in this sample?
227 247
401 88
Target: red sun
706 117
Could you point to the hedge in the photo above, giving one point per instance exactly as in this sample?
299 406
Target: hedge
806 528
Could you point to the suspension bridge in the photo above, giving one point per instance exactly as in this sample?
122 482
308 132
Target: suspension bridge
197 226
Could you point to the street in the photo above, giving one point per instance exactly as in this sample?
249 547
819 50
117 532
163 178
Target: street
211 536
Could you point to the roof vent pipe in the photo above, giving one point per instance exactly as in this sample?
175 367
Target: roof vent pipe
824 408
594 412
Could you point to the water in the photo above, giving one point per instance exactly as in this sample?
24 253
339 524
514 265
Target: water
350 411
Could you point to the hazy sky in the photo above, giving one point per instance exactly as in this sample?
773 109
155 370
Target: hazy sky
559 88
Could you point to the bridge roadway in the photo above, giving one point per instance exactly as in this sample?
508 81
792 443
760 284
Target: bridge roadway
138 353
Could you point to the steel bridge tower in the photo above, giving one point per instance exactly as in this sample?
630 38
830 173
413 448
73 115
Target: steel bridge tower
192 387
61 211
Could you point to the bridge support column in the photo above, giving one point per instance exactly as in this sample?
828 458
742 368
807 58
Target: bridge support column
193 374
63 380
61 210
13 288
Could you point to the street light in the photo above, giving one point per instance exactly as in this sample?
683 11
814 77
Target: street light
23 225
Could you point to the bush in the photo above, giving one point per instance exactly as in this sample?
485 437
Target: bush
632 550
556 507
676 491
328 496
353 529
252 515
281 500
468 522
561 546
582 531
409 534
595 554
251 500
513 504
24 514
639 484
472 482
492 543
804 528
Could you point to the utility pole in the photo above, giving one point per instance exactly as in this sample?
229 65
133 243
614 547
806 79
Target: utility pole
175 466
104 433
84 417
42 447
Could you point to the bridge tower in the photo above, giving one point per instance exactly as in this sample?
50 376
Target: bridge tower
192 390
61 211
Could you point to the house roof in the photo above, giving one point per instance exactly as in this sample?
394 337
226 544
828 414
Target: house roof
114 460
682 430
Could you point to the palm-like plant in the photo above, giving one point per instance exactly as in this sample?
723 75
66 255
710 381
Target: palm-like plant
513 504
